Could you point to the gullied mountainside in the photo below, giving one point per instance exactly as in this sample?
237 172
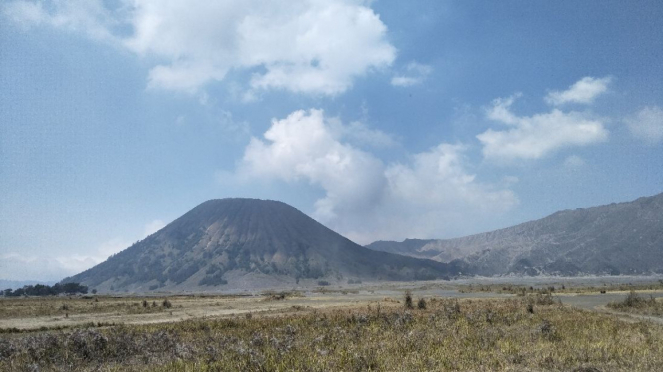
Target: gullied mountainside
248 243
625 238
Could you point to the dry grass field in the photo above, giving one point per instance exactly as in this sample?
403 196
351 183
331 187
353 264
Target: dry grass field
272 332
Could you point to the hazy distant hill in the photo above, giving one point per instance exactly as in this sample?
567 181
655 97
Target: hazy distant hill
625 238
249 243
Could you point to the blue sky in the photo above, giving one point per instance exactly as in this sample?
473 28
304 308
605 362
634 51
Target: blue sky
381 119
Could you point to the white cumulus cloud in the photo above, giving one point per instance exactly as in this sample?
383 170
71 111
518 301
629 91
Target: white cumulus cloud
435 195
647 124
432 194
304 146
304 46
583 91
536 136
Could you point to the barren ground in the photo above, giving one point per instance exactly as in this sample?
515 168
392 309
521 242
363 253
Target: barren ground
65 312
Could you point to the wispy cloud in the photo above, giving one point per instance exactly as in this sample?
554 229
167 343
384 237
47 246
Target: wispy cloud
574 162
584 91
414 73
361 134
89 17
537 136
647 124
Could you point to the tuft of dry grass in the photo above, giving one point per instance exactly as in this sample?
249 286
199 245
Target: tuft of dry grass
449 335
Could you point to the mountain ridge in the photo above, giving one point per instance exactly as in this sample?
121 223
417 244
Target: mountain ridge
567 242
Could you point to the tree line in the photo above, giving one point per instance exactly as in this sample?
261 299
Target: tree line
46 290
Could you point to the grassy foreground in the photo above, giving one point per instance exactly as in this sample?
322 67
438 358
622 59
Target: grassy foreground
520 334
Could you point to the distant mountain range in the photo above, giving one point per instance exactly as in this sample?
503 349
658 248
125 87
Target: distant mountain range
624 238
248 243
234 244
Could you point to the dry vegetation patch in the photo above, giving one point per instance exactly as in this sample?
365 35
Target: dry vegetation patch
637 304
523 290
280 296
60 306
532 333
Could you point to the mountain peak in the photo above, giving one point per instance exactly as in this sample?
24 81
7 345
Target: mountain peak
249 242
